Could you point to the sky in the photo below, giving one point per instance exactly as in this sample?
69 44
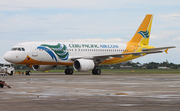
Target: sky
114 21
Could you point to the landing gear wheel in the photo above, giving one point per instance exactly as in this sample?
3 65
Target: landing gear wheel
96 71
28 72
68 71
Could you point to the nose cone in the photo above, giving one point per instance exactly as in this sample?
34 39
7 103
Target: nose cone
15 56
8 56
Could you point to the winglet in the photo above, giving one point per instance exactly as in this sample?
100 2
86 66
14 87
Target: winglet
166 50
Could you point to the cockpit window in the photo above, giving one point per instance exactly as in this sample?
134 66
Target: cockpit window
23 49
13 49
17 49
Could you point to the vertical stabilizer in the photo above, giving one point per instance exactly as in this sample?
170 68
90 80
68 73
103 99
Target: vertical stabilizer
142 35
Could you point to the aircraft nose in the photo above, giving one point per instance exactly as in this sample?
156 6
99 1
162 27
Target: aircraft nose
8 56
15 56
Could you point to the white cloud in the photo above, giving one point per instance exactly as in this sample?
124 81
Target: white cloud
86 4
169 17
83 4
27 20
89 40
177 38
164 34
61 25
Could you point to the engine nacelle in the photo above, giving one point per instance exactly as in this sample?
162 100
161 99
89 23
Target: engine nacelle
83 65
42 67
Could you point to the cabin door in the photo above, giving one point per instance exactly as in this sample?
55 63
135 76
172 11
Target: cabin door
34 50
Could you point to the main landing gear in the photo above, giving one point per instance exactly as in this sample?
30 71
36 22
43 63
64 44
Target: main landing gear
68 71
96 71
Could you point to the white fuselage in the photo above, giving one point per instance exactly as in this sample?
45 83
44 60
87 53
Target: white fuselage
74 50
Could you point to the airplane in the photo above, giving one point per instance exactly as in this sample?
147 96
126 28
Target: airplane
42 56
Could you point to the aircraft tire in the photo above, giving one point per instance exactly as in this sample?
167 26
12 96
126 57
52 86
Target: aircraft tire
94 71
68 71
27 72
98 71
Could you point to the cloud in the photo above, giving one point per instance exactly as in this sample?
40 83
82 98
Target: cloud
86 21
69 25
89 40
71 4
177 38
164 34
169 17
83 4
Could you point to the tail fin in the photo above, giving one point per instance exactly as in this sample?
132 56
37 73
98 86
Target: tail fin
142 35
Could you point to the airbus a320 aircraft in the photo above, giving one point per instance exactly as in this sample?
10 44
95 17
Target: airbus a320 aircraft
43 56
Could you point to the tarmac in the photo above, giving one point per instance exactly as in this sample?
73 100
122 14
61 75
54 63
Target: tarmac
86 92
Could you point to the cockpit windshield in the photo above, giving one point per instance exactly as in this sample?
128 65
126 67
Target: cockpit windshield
13 49
18 49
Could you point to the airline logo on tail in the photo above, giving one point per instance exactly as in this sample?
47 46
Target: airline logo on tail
145 34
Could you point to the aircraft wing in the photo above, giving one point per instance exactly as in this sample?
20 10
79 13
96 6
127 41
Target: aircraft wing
133 53
159 48
144 51
115 55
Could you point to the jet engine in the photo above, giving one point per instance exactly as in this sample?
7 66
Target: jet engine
42 67
83 65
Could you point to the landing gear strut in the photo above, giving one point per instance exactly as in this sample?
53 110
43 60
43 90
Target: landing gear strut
68 71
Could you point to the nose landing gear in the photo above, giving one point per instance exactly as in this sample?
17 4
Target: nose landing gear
28 72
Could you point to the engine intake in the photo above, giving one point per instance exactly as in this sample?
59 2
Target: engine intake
83 65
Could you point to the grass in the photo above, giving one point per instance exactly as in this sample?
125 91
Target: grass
120 71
